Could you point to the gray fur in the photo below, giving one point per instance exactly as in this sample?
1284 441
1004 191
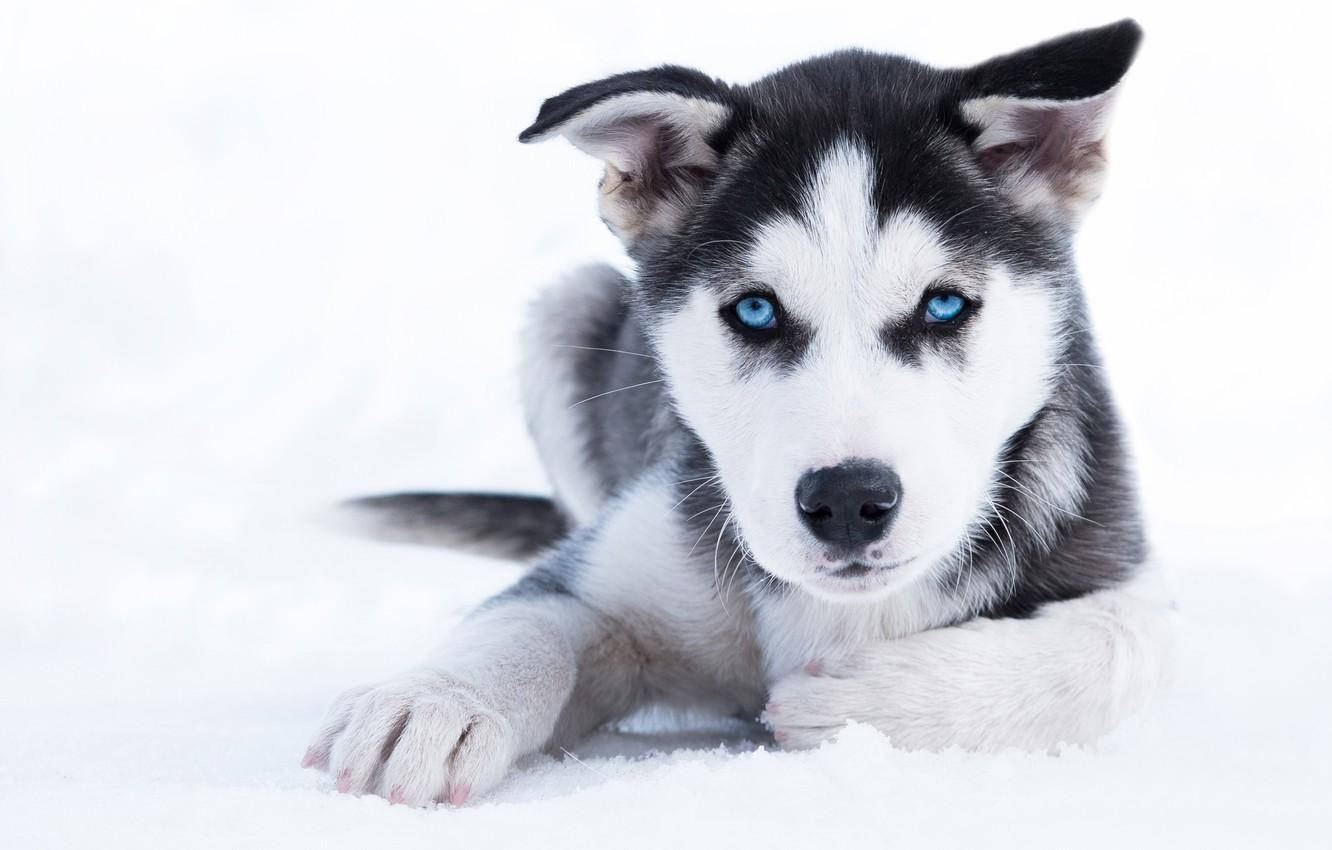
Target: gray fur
493 524
1041 624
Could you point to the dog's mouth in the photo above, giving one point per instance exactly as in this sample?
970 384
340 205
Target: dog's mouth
860 569
855 569
857 576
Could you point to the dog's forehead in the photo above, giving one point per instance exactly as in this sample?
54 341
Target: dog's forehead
858 131
833 143
837 252
891 108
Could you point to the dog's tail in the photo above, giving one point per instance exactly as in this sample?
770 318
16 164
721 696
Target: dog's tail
499 525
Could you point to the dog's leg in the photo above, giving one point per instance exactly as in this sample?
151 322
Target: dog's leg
1066 675
616 616
494 693
571 352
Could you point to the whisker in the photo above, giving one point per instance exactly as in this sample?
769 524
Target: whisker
958 214
695 490
957 581
745 561
619 390
696 478
583 763
985 529
971 566
998 507
734 552
609 350
704 533
1043 539
705 510
715 552
971 560
1051 504
1007 530
742 549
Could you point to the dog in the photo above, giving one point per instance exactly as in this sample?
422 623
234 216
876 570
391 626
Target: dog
841 450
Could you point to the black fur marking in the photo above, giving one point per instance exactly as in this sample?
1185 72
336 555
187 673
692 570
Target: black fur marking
1036 551
780 348
906 114
542 581
656 162
907 118
782 354
556 574
495 524
903 114
909 337
666 79
1075 66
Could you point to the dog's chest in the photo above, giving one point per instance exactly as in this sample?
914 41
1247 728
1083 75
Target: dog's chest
797 629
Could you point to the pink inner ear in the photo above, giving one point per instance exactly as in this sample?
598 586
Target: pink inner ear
628 145
1054 140
646 150
995 158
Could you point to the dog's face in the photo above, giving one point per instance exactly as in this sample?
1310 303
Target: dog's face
855 374
855 275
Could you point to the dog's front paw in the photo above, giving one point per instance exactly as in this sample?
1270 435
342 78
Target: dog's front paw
916 708
416 739
814 704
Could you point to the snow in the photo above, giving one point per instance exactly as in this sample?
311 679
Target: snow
256 257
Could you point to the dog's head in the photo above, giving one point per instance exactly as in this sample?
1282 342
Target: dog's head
855 273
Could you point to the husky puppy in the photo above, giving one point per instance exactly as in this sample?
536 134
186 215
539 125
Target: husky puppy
840 450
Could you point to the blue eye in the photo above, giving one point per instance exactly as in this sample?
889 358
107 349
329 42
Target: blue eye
944 308
757 312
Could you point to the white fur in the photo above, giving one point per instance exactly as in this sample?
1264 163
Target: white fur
523 674
648 618
683 609
651 627
939 428
1066 676
493 693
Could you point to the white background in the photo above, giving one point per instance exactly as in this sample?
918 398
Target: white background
256 257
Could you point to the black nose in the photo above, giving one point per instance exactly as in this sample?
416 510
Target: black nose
850 504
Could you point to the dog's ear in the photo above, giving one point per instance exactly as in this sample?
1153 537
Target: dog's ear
1040 117
653 129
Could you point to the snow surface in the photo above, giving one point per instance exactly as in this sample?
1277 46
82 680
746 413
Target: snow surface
255 257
